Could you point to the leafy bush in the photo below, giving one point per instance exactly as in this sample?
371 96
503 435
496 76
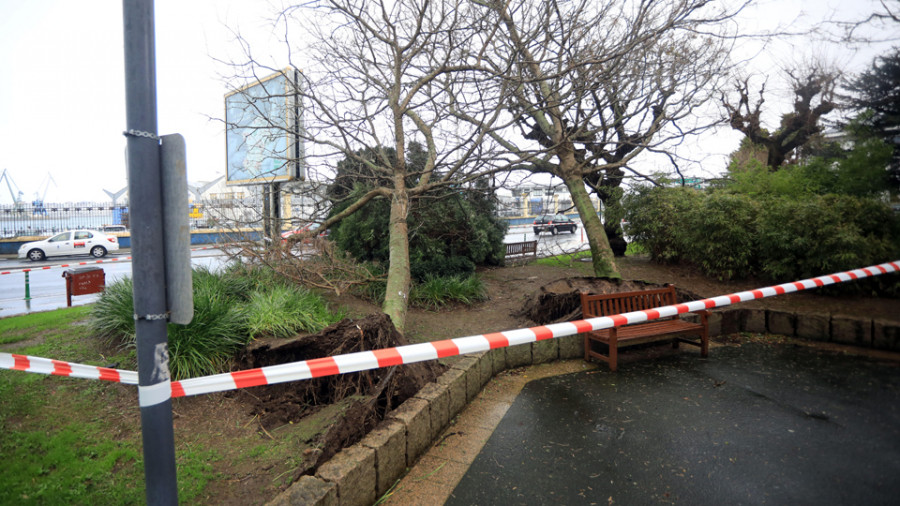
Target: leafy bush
442 268
718 235
657 218
779 238
230 309
801 238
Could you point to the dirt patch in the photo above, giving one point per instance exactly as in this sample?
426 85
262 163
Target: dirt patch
372 393
560 300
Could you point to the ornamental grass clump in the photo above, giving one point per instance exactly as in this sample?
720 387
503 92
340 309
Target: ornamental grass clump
283 311
230 309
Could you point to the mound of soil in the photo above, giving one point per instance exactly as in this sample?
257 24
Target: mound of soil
560 300
374 393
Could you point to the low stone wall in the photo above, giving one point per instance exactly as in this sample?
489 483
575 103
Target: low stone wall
360 474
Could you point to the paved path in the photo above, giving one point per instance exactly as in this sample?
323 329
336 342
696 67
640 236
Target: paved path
753 424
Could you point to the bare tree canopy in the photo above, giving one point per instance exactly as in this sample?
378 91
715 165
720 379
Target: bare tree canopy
380 75
593 84
814 97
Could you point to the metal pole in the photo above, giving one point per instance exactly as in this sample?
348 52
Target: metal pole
28 287
148 267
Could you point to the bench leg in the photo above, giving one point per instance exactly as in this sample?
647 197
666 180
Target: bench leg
704 343
613 350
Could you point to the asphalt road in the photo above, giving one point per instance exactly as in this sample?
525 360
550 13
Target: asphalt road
47 288
548 244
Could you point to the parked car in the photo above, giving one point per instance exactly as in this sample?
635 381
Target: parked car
71 242
554 223
113 228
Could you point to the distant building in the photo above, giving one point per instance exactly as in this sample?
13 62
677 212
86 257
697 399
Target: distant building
533 200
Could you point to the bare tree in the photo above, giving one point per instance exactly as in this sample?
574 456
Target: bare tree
380 75
596 83
814 97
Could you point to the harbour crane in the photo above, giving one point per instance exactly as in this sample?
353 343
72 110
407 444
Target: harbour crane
16 197
115 195
39 196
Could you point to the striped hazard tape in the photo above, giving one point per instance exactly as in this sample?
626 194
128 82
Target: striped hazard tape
59 368
367 360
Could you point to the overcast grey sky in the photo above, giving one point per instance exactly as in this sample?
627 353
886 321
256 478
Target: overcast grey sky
62 99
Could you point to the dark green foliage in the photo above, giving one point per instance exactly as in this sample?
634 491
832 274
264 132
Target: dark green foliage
656 218
442 268
230 310
877 90
451 221
720 237
781 239
819 235
364 234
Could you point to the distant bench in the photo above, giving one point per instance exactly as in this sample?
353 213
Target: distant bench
521 250
593 306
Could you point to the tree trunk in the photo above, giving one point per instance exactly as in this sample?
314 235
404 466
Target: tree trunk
396 297
601 253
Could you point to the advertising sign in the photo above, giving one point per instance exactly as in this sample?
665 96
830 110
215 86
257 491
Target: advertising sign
263 121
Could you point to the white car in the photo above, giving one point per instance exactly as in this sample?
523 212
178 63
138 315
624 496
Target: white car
70 242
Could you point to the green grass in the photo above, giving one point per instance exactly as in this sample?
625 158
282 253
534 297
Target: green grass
570 259
54 436
565 260
283 311
435 293
69 465
13 330
635 249
78 441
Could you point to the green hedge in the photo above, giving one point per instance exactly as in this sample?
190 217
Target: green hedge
734 236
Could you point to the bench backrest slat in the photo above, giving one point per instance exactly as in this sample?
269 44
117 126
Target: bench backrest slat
626 302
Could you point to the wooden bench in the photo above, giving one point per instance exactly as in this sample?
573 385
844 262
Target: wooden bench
657 330
521 250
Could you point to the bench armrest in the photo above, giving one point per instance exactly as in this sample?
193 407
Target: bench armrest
704 316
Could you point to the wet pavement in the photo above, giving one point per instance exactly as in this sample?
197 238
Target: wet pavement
753 424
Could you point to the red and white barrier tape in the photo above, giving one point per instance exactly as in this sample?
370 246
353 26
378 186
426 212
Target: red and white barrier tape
367 360
59 368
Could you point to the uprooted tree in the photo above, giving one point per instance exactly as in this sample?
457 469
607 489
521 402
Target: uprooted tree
377 76
593 84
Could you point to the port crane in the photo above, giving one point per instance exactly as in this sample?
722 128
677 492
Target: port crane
39 196
16 197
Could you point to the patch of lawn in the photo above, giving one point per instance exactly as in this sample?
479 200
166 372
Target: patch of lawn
565 260
20 328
